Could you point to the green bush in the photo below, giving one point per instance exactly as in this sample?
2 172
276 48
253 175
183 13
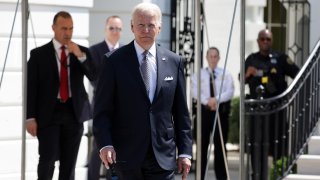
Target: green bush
234 119
276 169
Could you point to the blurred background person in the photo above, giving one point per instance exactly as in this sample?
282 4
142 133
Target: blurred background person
268 68
112 30
211 78
265 72
57 102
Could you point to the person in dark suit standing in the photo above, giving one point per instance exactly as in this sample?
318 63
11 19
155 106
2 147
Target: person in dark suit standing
57 102
141 115
112 31
113 28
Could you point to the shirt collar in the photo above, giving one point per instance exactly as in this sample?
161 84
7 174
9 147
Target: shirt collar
140 50
111 46
212 70
58 45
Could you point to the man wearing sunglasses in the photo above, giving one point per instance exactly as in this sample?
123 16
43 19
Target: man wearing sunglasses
112 32
113 28
267 69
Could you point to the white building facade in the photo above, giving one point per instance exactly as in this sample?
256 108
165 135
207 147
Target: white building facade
89 18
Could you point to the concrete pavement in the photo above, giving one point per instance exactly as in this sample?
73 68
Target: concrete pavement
233 166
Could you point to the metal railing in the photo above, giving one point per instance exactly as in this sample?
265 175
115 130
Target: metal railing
277 129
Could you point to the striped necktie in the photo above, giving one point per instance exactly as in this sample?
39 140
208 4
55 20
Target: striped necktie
145 71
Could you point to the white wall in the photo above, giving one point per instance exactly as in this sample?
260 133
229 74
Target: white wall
314 23
89 19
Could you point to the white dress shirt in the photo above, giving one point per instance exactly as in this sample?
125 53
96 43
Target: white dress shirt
57 47
227 86
152 59
111 47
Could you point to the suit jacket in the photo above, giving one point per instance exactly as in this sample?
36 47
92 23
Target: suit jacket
44 82
125 118
98 52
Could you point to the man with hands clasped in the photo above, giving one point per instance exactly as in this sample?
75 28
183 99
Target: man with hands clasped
211 79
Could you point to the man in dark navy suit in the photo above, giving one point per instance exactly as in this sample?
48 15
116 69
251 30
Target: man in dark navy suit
113 28
141 116
57 102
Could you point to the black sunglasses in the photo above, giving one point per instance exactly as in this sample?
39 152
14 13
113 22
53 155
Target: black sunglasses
116 29
265 39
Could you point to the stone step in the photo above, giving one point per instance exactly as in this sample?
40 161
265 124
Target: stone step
301 177
313 145
309 164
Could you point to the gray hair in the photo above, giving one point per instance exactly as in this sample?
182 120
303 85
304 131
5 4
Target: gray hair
148 8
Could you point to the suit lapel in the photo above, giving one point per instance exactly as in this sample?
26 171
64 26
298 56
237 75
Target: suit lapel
104 47
53 61
134 68
161 68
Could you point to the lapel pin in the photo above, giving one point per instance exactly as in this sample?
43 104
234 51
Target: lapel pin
163 59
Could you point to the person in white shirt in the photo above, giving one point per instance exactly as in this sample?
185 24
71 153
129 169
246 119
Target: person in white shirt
210 98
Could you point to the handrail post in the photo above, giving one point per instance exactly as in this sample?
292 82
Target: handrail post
24 13
242 89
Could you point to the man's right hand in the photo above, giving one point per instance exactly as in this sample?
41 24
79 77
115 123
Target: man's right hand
108 156
31 126
251 71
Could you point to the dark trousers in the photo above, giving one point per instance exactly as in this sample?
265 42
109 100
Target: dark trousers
149 170
207 125
268 136
95 163
59 141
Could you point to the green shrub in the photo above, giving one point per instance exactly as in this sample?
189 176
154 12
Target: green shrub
276 169
234 119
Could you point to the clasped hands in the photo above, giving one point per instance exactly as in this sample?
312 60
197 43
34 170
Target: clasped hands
212 103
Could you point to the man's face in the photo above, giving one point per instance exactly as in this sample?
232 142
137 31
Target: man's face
213 58
63 29
265 41
113 30
145 29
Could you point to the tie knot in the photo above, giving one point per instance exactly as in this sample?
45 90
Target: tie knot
62 47
145 56
211 73
145 53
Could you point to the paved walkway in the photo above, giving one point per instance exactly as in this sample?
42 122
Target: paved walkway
233 164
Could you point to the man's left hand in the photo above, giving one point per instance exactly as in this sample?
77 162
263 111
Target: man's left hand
184 165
